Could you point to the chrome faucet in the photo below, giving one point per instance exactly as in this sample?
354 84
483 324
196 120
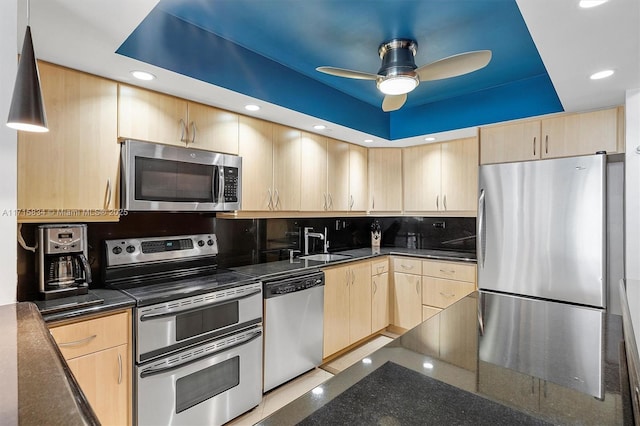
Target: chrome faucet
323 237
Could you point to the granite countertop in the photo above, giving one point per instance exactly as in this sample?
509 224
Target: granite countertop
447 371
111 300
273 269
38 387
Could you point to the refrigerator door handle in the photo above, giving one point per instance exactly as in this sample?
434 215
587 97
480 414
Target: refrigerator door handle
482 245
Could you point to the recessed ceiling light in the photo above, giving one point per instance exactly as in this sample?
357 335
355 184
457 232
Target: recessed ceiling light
601 74
585 4
143 75
429 139
368 140
252 107
319 127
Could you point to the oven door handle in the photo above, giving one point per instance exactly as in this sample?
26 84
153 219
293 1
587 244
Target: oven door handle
155 371
148 317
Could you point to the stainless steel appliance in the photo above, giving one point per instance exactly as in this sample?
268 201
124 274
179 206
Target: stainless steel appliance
542 229
170 178
293 323
198 329
63 268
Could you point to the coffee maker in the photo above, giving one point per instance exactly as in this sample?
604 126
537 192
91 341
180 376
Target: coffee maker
63 268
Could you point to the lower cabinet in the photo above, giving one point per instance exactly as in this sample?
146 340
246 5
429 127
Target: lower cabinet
379 294
98 352
444 283
406 299
347 306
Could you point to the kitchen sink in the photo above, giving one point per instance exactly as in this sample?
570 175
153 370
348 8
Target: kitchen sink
325 257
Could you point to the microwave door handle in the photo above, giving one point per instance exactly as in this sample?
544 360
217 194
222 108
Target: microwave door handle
221 184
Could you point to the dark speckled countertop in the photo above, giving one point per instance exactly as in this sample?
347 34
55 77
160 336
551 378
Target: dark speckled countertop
445 371
37 386
283 267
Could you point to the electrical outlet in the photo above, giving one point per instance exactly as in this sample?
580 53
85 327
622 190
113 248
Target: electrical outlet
439 225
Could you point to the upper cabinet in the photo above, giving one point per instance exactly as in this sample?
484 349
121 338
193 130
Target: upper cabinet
358 161
270 166
338 175
314 197
441 177
558 136
71 172
385 180
156 117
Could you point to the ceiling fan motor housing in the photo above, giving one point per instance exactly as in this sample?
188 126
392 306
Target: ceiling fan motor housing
397 57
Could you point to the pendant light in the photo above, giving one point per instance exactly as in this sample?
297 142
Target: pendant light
27 107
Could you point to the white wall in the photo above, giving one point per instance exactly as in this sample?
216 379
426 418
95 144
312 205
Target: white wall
632 185
8 156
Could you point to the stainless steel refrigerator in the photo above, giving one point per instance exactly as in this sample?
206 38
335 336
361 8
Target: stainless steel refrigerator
542 269
542 229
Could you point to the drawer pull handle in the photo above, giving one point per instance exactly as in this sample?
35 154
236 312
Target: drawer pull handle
447 271
448 295
406 266
380 269
78 342
119 369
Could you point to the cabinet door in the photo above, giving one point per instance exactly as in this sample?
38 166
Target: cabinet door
407 305
255 148
338 172
459 175
358 193
359 301
336 310
379 301
104 378
75 164
422 170
212 129
385 179
314 160
580 134
151 116
510 142
286 168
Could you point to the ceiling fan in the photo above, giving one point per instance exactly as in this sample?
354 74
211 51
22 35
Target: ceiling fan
399 75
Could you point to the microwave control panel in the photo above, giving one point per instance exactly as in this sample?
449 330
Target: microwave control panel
231 179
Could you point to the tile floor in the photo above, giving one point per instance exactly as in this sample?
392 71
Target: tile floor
287 392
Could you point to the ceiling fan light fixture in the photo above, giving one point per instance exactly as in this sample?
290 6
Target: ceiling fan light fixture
397 85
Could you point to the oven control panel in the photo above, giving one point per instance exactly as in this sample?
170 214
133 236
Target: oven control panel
128 251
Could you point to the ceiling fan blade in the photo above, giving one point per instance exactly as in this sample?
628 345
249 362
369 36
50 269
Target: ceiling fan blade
393 102
341 72
455 65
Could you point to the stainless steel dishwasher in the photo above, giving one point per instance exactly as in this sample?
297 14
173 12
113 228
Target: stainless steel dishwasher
293 326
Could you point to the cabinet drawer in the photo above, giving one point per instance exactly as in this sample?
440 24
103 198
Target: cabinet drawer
450 270
85 337
442 293
407 265
379 267
428 312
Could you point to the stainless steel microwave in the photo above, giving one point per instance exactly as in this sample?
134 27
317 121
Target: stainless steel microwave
168 178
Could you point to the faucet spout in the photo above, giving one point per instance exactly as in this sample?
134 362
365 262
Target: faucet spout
322 237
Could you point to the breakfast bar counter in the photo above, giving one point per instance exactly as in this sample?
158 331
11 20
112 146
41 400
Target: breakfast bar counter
449 370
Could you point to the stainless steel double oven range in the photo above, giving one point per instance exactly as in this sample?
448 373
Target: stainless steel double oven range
198 330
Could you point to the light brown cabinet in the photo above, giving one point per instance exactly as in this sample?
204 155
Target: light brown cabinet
379 294
406 293
347 306
157 117
270 166
385 179
70 174
314 197
563 135
338 175
444 283
98 353
358 162
441 177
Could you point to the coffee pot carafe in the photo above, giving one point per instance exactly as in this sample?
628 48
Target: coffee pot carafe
63 268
